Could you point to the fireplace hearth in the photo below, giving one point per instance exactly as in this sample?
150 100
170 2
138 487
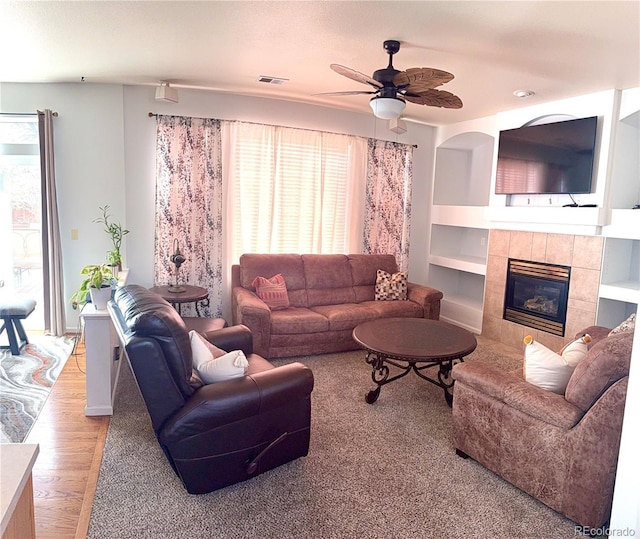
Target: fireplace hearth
536 295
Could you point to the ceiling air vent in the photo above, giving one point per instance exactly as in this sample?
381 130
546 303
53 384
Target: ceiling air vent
271 80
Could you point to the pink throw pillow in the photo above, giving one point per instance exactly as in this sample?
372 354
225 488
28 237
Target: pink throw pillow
272 291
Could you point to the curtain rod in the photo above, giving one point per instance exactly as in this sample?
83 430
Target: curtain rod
25 113
153 114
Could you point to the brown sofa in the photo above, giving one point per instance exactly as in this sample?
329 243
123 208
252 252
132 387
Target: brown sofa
560 449
329 295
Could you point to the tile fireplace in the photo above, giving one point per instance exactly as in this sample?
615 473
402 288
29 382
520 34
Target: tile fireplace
583 254
536 295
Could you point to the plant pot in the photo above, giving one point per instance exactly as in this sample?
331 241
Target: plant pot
100 297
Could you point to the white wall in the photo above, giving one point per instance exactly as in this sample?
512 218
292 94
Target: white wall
625 514
105 154
89 157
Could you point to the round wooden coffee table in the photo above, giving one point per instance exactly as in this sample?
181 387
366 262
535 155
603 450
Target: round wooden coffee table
190 294
413 344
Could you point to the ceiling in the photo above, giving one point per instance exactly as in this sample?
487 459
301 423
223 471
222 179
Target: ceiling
557 49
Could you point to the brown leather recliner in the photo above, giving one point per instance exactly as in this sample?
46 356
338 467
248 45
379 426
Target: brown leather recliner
560 449
218 434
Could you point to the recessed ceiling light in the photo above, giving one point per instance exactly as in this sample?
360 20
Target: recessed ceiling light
523 94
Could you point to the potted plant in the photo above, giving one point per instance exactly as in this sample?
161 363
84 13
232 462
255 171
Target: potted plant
116 232
96 284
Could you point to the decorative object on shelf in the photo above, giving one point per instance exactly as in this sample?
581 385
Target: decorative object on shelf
116 232
96 285
177 258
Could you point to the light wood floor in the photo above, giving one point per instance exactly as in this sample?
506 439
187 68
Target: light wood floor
66 470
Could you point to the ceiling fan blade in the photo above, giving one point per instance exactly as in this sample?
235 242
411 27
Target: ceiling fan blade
435 98
419 79
356 92
355 75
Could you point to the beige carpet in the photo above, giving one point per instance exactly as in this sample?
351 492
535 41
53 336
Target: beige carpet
386 470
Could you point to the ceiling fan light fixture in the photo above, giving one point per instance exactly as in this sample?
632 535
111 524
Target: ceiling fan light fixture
387 108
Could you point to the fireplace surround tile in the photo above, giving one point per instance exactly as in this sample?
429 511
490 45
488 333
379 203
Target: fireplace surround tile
520 245
499 243
585 257
559 249
495 299
539 247
584 284
587 252
497 270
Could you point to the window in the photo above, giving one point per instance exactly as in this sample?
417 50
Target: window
20 208
294 190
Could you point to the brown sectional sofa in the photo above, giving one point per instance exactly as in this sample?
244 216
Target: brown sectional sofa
329 295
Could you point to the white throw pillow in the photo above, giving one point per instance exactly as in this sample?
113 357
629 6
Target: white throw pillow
574 352
214 364
201 349
227 367
549 370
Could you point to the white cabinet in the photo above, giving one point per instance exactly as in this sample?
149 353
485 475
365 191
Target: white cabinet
102 351
459 229
102 361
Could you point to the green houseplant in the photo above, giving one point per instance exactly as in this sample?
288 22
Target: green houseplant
96 284
116 232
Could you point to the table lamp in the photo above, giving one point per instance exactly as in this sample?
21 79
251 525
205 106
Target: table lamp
177 258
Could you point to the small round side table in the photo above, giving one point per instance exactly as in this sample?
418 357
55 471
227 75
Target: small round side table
192 294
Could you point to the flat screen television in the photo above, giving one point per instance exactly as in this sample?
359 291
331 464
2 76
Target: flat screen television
548 158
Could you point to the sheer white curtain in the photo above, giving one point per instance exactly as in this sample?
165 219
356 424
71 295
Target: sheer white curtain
189 204
293 190
388 200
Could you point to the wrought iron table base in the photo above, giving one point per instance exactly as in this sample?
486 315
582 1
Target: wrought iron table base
380 373
203 302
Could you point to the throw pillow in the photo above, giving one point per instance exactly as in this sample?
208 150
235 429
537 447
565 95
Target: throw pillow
212 364
628 325
202 350
226 367
390 286
272 291
549 370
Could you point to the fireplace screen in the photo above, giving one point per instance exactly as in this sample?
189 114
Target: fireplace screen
536 295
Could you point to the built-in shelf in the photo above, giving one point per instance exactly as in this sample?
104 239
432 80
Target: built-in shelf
459 226
467 216
585 221
469 264
620 277
463 170
627 291
611 312
463 296
464 208
623 224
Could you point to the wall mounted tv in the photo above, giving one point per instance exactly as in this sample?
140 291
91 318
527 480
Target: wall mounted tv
548 158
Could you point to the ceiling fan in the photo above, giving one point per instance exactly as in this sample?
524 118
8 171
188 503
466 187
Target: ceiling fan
391 88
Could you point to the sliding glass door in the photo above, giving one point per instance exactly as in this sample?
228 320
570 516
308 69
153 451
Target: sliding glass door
21 214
